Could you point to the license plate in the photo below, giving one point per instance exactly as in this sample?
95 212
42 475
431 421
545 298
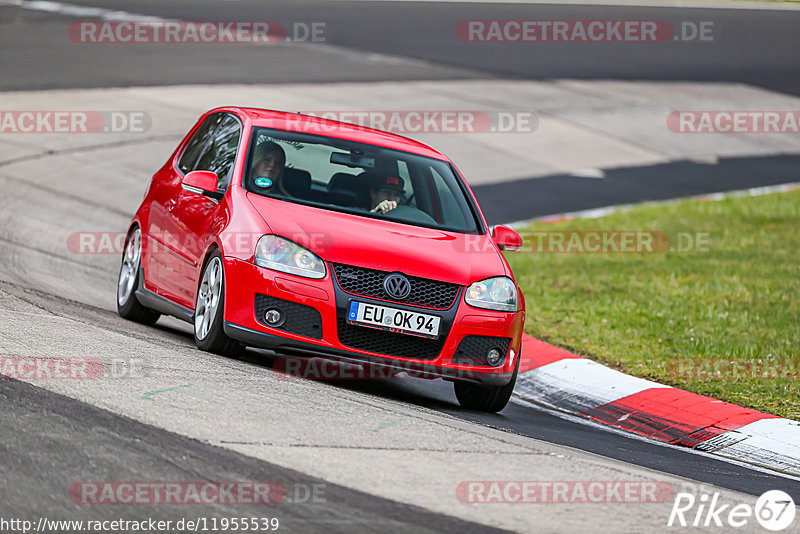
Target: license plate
393 320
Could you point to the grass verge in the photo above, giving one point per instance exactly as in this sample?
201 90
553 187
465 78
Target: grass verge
722 319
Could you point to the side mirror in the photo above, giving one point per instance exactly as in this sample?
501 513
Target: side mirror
203 183
506 239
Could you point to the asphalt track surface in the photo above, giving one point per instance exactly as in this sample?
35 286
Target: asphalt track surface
751 48
754 47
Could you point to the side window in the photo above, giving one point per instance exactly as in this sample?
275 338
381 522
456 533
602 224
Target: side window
451 210
198 142
221 151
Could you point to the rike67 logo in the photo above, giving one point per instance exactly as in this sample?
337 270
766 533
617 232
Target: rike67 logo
774 510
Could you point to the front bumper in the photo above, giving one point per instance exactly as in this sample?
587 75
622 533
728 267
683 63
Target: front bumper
245 282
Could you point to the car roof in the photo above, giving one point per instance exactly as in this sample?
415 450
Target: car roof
299 122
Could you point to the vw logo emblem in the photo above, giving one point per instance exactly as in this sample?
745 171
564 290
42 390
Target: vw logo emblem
397 286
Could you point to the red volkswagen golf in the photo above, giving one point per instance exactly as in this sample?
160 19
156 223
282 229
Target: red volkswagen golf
320 238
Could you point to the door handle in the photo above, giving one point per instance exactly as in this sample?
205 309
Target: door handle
171 204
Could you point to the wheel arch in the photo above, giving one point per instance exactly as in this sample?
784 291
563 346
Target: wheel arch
212 247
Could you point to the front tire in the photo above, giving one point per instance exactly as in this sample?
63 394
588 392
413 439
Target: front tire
490 399
209 310
128 281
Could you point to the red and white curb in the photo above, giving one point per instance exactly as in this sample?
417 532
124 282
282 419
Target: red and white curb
563 381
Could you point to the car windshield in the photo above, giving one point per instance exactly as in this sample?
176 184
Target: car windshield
357 178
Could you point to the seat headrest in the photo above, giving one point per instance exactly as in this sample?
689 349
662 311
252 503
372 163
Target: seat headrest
297 182
347 189
342 181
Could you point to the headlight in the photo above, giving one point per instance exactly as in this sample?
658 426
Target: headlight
280 254
493 294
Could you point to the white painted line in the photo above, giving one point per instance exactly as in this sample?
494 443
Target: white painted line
73 10
589 173
576 385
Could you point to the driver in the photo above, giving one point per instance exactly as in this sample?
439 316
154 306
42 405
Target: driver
385 193
269 161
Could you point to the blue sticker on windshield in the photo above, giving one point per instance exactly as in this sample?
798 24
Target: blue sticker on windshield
263 182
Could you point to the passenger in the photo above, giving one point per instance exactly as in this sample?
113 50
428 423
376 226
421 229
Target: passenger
385 193
269 162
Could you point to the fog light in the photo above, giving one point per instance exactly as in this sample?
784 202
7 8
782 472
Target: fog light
493 356
274 317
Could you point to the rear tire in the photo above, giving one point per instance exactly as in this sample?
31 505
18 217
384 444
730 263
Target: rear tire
490 399
209 310
128 282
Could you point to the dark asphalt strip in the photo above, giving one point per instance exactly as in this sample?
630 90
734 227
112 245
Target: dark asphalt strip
50 442
756 47
525 199
541 425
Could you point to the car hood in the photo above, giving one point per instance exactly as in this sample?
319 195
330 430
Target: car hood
383 245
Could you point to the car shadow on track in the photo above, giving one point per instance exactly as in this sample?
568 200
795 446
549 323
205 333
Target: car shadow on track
433 394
